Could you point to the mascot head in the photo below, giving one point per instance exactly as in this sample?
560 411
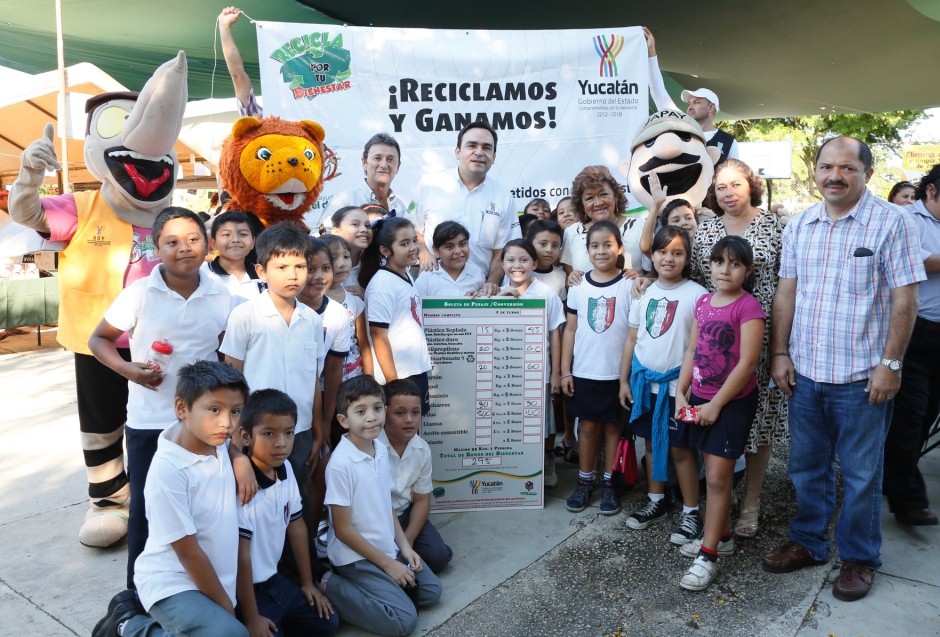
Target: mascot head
129 143
273 167
672 145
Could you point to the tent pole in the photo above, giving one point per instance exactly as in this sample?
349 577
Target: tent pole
63 115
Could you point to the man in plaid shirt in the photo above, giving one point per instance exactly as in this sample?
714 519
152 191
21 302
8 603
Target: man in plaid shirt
842 317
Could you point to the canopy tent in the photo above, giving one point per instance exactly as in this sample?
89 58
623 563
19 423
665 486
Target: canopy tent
764 58
30 102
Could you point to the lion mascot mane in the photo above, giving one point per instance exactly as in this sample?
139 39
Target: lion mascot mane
273 167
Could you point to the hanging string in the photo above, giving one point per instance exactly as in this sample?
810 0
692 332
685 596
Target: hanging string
215 52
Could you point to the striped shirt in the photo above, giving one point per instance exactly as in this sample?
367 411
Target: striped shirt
845 270
252 108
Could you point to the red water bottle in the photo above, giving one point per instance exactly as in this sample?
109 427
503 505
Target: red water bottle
159 356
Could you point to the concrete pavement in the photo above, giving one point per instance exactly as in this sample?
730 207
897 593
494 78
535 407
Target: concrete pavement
545 572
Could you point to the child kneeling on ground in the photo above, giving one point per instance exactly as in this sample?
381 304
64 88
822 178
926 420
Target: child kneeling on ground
409 458
373 560
268 602
185 577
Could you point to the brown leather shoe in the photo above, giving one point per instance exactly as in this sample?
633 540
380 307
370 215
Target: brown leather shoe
923 517
854 581
790 557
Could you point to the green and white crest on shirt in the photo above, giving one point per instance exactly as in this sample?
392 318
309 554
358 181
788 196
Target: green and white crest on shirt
660 314
601 313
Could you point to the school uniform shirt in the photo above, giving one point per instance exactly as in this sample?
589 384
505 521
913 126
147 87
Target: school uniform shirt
555 278
554 315
664 316
364 484
411 471
574 244
603 311
265 518
187 494
335 331
277 355
149 311
352 279
488 212
554 310
247 287
718 349
352 365
437 283
393 303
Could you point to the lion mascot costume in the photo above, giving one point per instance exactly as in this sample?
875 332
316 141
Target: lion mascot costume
273 167
129 144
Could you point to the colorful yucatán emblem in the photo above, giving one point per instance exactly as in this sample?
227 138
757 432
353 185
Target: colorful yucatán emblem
601 313
660 314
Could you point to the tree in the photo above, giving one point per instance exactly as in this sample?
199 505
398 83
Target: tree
806 133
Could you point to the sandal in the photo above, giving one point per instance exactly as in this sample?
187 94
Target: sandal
747 522
571 455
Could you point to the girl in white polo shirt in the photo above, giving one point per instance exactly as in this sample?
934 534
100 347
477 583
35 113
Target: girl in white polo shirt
336 333
359 359
519 261
352 224
393 306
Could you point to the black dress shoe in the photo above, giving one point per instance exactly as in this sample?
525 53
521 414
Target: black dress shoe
922 517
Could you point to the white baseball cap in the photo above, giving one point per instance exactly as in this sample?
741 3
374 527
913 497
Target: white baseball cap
702 92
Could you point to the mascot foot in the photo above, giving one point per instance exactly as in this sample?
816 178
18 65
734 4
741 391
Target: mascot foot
103 528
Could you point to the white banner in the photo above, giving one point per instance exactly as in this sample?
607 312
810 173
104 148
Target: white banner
560 100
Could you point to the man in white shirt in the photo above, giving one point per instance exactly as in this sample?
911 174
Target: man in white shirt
703 105
484 206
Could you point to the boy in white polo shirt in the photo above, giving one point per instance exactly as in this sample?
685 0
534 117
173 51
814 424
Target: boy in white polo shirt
267 601
409 458
233 236
179 304
373 560
275 341
186 575
456 276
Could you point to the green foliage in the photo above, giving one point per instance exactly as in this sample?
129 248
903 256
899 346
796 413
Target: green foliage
882 131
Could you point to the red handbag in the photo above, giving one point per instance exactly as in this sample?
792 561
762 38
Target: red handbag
625 461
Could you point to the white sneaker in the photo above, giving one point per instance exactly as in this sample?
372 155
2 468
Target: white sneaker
551 478
699 575
691 549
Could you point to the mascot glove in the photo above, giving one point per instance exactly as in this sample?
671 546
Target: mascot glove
38 158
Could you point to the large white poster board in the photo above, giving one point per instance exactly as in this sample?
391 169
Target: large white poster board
560 100
488 402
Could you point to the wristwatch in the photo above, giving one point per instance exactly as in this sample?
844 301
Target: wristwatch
893 364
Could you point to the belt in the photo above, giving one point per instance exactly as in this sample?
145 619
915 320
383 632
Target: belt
923 323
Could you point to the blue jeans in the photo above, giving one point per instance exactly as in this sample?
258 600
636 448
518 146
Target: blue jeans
188 613
281 601
828 421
